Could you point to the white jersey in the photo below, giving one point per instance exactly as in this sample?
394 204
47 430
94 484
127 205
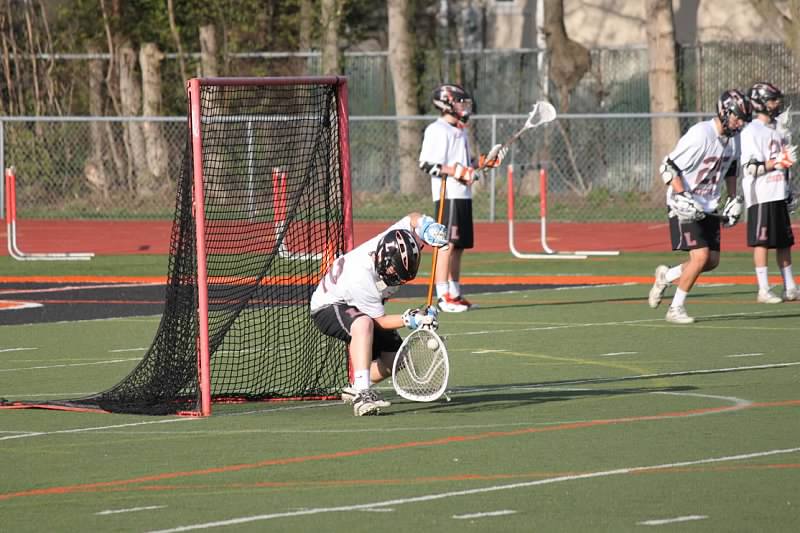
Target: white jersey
704 158
352 279
445 144
761 142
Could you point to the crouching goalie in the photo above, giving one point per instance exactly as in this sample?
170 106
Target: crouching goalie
348 303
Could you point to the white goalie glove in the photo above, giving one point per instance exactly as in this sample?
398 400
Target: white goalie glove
417 318
686 208
732 211
431 232
494 157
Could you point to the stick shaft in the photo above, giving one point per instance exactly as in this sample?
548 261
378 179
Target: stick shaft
439 216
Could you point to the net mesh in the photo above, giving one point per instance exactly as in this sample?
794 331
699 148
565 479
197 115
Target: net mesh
274 210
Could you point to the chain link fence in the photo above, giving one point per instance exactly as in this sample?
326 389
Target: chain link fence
599 168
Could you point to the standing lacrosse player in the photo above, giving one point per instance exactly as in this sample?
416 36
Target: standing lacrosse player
694 172
766 158
348 303
445 155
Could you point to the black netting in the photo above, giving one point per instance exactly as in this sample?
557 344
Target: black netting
274 216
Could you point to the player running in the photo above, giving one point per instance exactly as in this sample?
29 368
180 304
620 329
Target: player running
445 153
348 303
766 158
694 172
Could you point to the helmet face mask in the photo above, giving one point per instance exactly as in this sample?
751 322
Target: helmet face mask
733 111
766 99
453 100
397 257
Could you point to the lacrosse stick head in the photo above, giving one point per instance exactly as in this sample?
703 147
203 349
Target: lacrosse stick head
421 367
542 113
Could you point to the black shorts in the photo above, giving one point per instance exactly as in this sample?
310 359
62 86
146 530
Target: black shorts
693 235
457 217
769 225
336 321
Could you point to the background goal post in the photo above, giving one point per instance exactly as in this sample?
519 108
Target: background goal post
247 251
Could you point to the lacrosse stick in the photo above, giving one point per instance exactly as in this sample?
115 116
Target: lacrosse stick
542 113
421 367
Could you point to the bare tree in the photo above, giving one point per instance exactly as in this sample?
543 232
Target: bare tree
569 60
176 36
664 131
404 82
776 19
130 91
330 15
150 58
209 51
94 169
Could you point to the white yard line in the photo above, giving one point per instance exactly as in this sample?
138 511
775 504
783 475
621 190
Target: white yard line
476 491
675 520
483 515
131 510
48 367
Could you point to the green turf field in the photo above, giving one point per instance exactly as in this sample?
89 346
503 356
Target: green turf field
575 409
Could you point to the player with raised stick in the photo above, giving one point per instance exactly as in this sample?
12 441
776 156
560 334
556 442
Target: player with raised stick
705 156
766 159
445 155
348 303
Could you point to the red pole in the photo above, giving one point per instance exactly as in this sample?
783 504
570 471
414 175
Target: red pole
510 174
203 355
543 192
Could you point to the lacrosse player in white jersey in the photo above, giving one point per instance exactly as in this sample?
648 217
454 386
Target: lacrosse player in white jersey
348 303
445 154
766 158
704 157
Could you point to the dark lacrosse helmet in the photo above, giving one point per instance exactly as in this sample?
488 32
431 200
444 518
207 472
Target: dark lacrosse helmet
453 100
761 93
732 103
397 257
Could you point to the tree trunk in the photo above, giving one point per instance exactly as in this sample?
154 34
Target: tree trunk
404 82
664 132
150 58
173 28
209 51
329 14
130 93
94 171
569 60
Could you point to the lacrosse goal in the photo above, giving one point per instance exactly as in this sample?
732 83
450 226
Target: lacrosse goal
263 200
548 253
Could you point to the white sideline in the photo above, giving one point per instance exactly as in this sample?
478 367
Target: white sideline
470 492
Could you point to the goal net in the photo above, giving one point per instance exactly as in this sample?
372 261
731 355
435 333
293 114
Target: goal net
263 205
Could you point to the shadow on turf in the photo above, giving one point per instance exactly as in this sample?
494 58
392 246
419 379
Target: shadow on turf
489 397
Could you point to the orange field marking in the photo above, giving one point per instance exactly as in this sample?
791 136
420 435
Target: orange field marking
92 487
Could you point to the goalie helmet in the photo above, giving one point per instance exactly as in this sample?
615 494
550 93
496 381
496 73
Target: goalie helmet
453 100
733 103
761 93
397 257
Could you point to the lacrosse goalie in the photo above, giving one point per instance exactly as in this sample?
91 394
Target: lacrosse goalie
705 156
445 155
766 159
348 303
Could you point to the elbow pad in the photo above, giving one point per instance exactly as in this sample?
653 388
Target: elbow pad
755 168
434 169
669 170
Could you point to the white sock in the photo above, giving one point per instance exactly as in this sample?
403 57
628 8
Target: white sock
763 280
679 299
788 278
674 273
361 381
454 288
441 289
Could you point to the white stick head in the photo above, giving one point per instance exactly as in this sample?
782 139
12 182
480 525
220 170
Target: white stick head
542 113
